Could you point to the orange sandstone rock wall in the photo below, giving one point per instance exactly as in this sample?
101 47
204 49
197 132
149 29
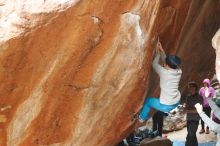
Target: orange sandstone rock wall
73 72
216 46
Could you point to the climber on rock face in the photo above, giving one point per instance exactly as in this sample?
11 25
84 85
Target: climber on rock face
170 74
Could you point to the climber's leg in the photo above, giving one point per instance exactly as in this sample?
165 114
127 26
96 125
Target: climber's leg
153 102
144 115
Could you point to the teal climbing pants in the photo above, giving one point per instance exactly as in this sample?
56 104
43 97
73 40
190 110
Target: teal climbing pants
153 102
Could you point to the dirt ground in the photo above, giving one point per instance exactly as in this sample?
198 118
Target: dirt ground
181 136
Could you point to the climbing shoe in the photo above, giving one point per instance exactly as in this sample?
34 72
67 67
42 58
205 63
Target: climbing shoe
148 133
134 140
154 134
144 133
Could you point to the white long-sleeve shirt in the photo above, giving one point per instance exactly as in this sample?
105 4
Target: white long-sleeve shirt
169 82
212 125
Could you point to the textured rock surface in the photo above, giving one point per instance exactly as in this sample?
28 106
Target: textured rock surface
158 141
216 46
174 122
190 38
73 72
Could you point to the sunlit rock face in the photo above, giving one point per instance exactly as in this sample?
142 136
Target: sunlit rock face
216 46
73 72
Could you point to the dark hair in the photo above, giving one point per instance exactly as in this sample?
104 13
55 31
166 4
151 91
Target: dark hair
173 61
193 84
214 83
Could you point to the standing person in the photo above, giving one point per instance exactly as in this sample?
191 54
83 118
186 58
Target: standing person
207 92
213 125
216 98
170 74
215 85
158 122
192 116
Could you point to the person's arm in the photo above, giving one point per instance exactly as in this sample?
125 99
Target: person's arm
212 92
156 65
211 124
159 54
200 91
163 56
214 126
215 108
161 51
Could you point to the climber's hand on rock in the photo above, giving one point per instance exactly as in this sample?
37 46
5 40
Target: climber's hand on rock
199 108
159 47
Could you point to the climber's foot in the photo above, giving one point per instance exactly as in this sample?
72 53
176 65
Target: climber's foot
134 140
